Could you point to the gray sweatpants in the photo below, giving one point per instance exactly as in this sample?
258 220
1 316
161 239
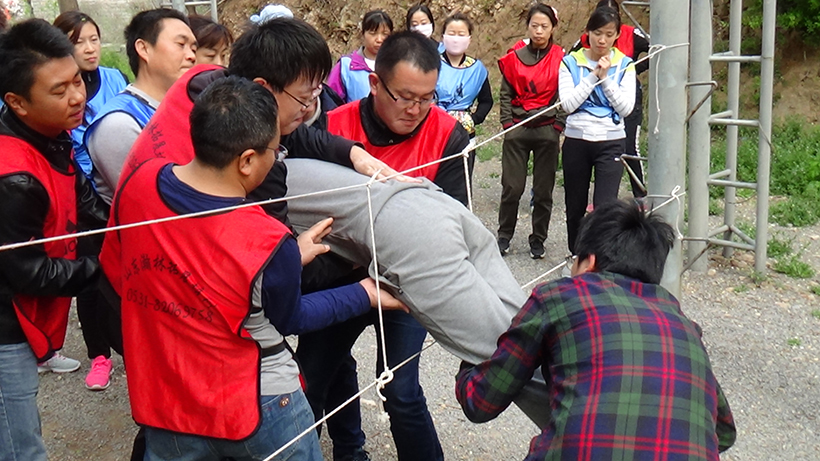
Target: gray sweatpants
437 257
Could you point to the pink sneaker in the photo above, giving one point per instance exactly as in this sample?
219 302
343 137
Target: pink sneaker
99 378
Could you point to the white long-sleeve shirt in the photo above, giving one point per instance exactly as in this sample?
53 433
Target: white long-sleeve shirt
583 125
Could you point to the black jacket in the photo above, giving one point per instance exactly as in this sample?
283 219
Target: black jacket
23 209
450 176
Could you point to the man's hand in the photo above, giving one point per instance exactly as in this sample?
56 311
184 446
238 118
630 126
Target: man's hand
366 164
389 303
310 241
603 67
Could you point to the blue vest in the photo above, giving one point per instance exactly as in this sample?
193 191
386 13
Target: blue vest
356 82
124 102
597 103
111 83
457 88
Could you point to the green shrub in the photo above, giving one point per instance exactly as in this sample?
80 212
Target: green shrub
777 248
117 60
793 267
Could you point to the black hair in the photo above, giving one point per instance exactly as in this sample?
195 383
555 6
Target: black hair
72 22
146 25
544 9
23 48
410 47
208 33
610 3
458 16
230 116
281 50
603 16
413 10
374 19
626 241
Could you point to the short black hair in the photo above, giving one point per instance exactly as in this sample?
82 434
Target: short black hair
374 19
413 10
146 25
458 16
72 23
25 47
603 16
626 241
230 116
411 47
281 50
208 33
544 9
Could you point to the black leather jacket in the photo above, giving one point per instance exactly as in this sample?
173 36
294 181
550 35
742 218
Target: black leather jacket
24 204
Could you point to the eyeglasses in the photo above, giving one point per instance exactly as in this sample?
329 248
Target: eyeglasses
313 96
281 152
405 103
570 260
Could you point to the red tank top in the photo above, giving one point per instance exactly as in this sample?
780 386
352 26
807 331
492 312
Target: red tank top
186 289
534 86
425 146
625 42
44 318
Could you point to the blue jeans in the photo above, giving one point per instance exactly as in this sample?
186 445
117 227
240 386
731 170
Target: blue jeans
283 418
20 436
410 421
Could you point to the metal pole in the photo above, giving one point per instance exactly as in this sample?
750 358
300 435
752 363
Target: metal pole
700 70
733 96
765 134
667 127
214 13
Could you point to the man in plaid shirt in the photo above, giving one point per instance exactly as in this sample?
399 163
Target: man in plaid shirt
629 376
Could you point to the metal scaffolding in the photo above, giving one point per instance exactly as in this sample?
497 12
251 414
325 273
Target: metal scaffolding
701 57
184 5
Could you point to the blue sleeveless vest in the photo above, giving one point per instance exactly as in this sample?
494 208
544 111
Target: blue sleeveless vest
457 88
124 102
597 103
356 82
111 83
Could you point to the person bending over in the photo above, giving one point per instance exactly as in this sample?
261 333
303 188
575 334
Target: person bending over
207 301
629 375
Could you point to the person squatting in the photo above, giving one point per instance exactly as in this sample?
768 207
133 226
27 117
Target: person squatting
211 123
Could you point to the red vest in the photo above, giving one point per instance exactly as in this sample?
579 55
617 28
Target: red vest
186 290
156 139
44 318
425 146
625 42
535 86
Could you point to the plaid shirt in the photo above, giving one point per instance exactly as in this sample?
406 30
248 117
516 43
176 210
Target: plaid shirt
629 376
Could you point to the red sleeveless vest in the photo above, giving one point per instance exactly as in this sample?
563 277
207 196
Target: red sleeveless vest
625 42
425 146
44 318
175 110
535 86
186 290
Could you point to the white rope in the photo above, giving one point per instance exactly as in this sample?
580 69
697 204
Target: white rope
468 180
387 374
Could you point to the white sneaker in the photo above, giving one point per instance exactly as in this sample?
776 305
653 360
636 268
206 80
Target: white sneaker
58 364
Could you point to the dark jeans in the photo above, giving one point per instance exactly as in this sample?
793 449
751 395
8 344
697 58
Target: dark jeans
101 321
543 143
326 366
579 158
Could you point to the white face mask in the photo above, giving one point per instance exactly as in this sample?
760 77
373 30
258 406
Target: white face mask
424 29
456 44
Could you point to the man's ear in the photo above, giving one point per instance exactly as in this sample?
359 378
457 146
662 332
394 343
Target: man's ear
16 103
262 82
141 47
247 162
374 83
588 264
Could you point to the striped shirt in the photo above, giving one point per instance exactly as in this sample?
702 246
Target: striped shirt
629 376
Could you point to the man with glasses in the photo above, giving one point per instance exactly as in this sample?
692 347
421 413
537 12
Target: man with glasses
400 125
399 122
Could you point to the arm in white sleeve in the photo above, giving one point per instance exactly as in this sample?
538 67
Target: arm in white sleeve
622 97
573 96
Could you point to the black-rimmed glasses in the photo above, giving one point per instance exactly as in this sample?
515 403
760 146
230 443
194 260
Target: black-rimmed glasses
313 97
405 103
281 152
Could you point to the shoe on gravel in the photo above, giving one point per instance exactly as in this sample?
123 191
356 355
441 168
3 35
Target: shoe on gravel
537 250
58 364
504 246
99 378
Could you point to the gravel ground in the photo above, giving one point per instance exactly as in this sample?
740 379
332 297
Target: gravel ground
763 340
